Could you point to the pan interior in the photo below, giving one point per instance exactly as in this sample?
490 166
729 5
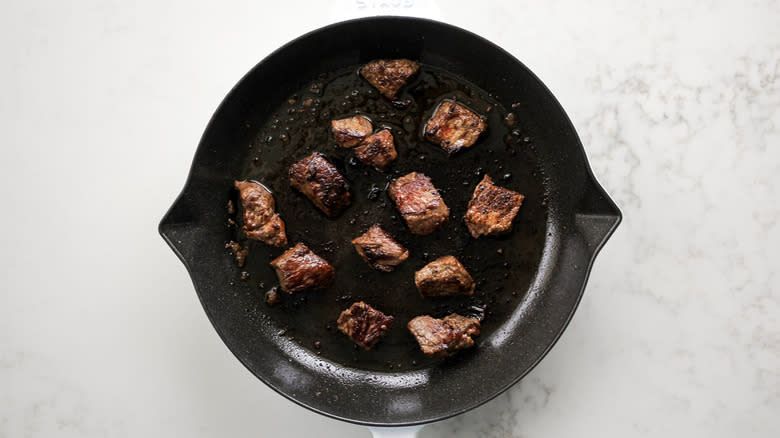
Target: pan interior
502 267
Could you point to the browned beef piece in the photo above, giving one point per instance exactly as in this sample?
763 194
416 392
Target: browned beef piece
454 127
444 337
364 324
299 269
316 178
492 209
261 222
351 131
444 277
379 249
419 203
389 75
377 150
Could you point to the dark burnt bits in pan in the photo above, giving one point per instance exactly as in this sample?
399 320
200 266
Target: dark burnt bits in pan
273 297
364 324
454 127
299 268
389 75
377 150
420 204
351 131
379 249
239 252
492 209
260 220
444 337
445 276
322 183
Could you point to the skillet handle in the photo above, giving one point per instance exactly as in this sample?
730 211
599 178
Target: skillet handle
395 432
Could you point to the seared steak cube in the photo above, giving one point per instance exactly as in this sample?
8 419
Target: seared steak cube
453 127
351 131
444 337
379 249
299 269
322 183
419 202
443 277
389 75
364 324
377 150
261 222
492 209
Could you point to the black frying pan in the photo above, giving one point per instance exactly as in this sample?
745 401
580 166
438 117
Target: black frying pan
528 293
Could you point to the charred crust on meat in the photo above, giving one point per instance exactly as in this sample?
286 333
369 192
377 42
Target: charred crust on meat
299 268
492 209
351 131
444 337
389 75
260 221
445 276
364 324
322 183
454 127
379 249
419 203
377 150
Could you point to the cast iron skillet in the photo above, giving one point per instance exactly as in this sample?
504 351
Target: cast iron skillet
562 226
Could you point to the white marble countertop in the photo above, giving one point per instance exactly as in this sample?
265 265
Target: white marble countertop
103 103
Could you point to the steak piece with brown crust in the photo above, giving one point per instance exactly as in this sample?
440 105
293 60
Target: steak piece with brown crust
261 222
419 202
351 131
377 150
444 277
322 183
444 337
454 127
389 75
299 269
492 209
379 249
364 324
